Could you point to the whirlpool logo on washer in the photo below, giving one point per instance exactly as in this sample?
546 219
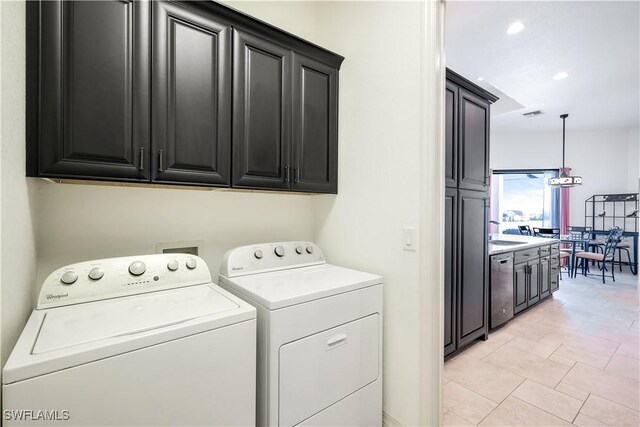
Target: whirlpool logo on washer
237 268
56 296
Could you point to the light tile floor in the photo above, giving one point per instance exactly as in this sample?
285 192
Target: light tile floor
571 360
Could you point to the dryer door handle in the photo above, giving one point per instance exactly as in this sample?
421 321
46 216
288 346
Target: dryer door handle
335 340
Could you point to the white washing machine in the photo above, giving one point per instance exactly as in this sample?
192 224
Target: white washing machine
319 335
145 340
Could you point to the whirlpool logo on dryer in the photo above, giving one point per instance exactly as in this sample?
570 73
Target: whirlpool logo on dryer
57 296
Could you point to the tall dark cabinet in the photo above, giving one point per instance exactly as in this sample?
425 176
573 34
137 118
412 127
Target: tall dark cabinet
466 287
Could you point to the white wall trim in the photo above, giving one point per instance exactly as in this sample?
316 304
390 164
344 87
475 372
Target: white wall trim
431 264
389 421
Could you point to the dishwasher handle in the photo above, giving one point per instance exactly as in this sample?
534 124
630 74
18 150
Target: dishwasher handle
501 259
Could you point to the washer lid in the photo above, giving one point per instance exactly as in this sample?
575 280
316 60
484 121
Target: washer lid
84 323
284 288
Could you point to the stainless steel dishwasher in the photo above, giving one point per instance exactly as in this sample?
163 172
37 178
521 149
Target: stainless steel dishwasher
501 288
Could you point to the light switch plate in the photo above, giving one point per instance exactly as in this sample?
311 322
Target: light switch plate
410 239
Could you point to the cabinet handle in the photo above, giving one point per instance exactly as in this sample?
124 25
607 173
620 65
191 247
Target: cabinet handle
161 161
296 176
286 173
141 166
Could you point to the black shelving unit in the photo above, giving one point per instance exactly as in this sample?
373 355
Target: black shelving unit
605 211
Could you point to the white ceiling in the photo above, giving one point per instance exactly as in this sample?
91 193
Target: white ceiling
597 43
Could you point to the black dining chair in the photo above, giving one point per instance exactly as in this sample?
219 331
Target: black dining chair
525 230
553 233
606 256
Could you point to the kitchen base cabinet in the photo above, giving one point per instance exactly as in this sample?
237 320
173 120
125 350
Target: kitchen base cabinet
520 282
534 283
545 275
535 277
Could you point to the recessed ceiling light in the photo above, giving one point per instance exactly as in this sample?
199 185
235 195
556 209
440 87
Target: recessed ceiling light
515 28
560 76
480 79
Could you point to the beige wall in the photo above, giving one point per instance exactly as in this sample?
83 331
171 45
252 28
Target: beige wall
380 169
79 222
606 159
18 253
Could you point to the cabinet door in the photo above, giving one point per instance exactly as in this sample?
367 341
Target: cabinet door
315 126
91 89
472 280
191 96
544 277
473 142
520 282
534 283
554 279
451 135
450 220
261 113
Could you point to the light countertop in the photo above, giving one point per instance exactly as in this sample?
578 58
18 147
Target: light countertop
526 243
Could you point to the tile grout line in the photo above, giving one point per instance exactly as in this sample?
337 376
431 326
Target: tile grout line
611 357
581 406
510 394
543 410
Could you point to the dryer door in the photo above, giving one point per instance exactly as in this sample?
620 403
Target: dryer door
319 370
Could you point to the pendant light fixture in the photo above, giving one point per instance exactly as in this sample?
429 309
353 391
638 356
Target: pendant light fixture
564 180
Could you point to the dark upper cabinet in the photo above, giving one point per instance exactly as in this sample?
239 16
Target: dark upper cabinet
474 142
450 228
451 135
88 89
191 96
315 126
520 283
177 92
472 266
261 113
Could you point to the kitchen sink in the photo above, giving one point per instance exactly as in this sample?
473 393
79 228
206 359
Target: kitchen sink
505 242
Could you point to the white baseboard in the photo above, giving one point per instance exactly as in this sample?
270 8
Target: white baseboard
389 421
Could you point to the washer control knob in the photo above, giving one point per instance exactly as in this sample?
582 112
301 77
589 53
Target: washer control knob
173 265
279 251
299 250
309 249
258 254
96 273
137 268
191 263
69 278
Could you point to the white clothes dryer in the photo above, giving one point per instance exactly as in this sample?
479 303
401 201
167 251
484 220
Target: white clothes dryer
319 335
145 340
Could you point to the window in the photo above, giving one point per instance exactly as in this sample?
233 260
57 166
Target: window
522 198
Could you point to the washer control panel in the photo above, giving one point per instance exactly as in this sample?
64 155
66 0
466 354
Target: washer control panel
117 277
264 257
